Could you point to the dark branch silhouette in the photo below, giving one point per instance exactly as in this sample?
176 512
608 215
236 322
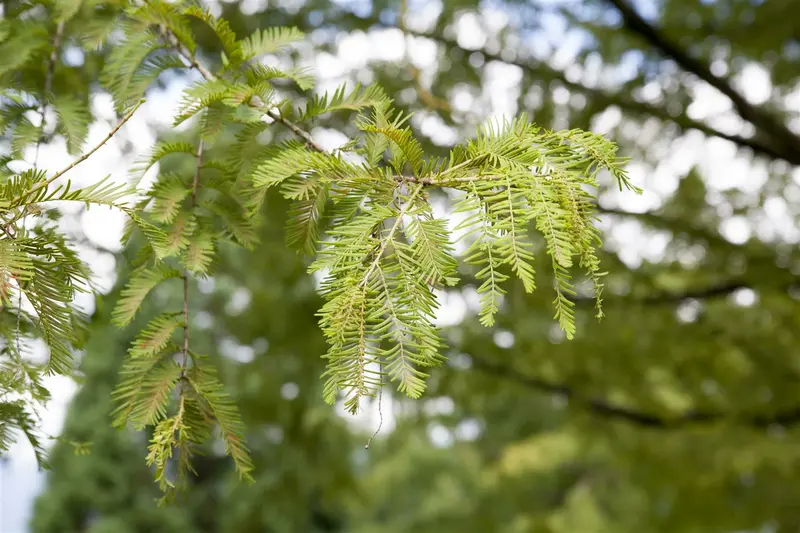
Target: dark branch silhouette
541 71
603 408
698 293
788 144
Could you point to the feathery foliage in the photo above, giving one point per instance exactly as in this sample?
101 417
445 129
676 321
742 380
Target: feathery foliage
362 212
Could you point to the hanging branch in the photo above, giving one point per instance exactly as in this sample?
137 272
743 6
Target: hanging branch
383 251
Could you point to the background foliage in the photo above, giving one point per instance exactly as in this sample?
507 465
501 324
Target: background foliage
676 413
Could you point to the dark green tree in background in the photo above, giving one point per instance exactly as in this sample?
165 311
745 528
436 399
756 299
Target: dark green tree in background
676 413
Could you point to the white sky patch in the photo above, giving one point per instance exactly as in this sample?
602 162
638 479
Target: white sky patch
240 353
501 87
754 83
386 45
707 102
736 229
328 138
431 125
328 65
469 32
745 297
251 7
603 123
439 435
423 14
422 52
452 308
350 50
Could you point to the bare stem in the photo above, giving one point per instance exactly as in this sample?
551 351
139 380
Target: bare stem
272 113
380 418
195 182
83 157
48 84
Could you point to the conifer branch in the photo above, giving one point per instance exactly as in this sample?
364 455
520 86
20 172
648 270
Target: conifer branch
48 85
379 286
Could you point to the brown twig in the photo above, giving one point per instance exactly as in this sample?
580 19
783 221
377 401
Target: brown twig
195 183
82 158
297 130
256 102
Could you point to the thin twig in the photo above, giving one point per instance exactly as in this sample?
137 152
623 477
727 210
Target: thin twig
48 86
297 130
380 419
84 157
256 102
195 182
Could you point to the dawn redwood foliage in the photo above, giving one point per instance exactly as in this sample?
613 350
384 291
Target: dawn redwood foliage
361 212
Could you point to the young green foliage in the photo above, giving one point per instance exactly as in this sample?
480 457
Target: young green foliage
40 269
362 212
40 275
385 253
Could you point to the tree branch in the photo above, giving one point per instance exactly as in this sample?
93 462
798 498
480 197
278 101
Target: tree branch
700 293
273 113
542 71
48 83
83 157
195 183
605 409
769 124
